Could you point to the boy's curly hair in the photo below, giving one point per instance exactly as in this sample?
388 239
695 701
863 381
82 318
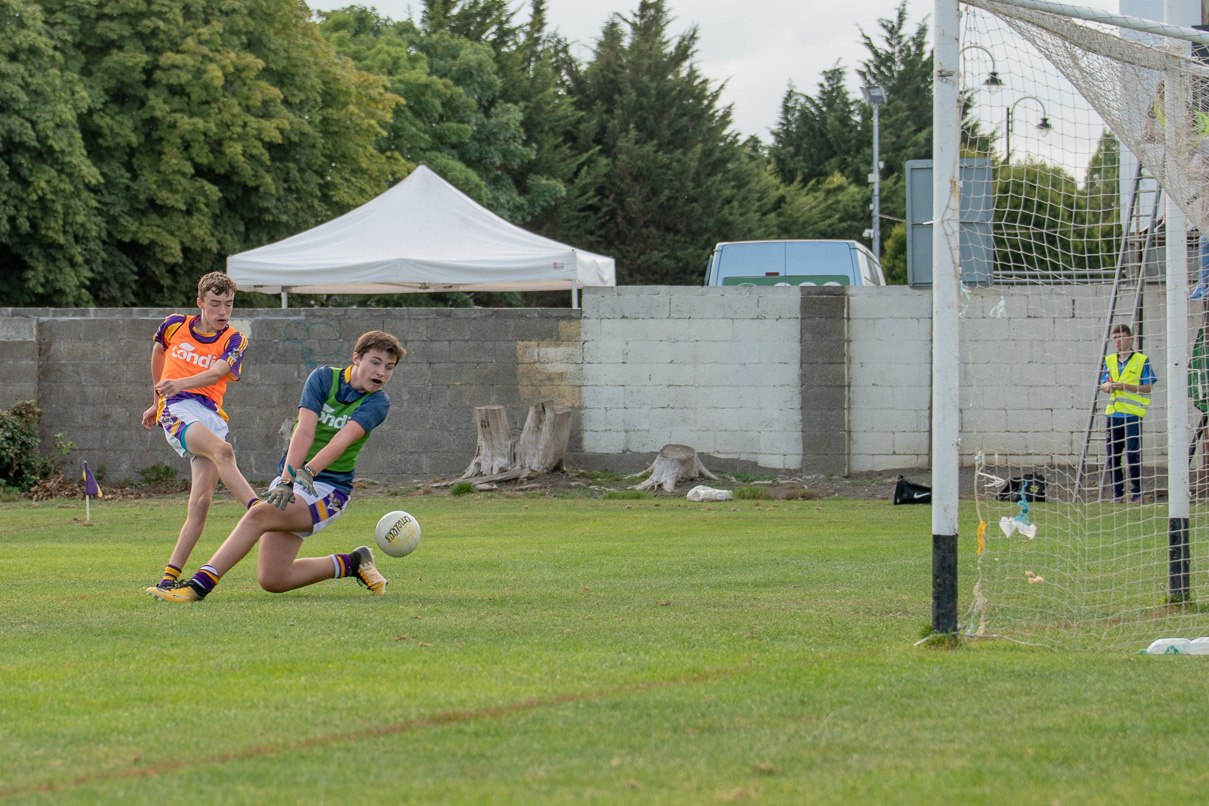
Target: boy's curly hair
217 282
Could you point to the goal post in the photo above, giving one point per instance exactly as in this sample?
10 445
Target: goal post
1088 528
946 199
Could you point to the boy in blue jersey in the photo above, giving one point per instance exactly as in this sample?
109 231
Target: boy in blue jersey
338 410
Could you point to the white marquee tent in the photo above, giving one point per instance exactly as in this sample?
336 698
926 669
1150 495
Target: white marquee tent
421 235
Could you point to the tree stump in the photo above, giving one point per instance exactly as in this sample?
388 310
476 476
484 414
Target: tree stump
542 445
675 463
541 448
495 451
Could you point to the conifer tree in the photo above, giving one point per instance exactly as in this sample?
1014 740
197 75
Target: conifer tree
673 178
820 135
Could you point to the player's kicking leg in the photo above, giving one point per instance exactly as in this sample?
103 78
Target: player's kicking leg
280 535
201 493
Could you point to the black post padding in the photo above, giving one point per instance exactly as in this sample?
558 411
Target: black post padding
944 584
1179 584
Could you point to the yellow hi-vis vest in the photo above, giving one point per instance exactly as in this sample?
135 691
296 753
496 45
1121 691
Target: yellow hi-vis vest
1127 402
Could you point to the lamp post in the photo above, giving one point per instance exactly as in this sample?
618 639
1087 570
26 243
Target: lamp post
993 83
875 96
1044 126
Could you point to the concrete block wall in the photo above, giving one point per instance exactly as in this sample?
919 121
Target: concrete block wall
823 380
90 371
1028 391
718 369
1029 368
890 380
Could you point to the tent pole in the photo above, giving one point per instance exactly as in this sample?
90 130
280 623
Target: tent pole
574 294
285 299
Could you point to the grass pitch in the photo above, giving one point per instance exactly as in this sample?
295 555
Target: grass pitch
558 651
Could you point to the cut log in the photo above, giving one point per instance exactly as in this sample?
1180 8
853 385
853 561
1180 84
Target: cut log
496 451
675 463
542 445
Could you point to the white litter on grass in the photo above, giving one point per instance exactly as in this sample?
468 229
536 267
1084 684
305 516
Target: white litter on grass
703 493
1178 646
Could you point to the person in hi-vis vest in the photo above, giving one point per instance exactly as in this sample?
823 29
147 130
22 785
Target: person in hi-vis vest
1128 379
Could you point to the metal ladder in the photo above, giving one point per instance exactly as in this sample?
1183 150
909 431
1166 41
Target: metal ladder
1121 286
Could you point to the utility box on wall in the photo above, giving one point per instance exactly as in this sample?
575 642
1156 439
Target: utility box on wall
976 214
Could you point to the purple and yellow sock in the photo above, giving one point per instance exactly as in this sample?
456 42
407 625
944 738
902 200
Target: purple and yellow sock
254 500
171 575
204 580
342 565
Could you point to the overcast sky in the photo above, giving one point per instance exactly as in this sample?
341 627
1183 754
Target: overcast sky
757 47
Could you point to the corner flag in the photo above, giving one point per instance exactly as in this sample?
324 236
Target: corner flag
90 483
91 488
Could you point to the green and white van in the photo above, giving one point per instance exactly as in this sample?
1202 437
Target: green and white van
790 263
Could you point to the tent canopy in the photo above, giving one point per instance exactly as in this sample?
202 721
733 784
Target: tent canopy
421 235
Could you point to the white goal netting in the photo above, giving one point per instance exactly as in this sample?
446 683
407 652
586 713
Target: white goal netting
1087 131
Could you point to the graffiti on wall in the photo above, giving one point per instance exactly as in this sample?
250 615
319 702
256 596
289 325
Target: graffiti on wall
313 344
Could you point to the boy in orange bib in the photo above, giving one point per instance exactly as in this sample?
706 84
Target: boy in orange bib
192 360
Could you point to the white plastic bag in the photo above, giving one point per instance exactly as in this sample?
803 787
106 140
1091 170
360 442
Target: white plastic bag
703 493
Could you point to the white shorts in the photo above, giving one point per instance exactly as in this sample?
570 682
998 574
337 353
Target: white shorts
180 414
326 505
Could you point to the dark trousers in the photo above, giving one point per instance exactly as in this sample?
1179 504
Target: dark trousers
1125 437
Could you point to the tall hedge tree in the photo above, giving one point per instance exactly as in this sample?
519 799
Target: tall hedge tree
901 63
818 135
214 127
50 227
482 103
674 178
825 141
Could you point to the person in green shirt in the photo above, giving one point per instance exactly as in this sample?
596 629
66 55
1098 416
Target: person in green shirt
338 410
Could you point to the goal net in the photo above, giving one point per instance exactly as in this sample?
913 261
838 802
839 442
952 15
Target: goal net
1088 131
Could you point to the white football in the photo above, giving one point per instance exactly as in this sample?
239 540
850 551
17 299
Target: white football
398 533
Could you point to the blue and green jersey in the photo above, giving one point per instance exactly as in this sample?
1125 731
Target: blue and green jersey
330 395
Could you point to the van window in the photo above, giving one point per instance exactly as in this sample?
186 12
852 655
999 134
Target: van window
869 270
793 262
747 261
819 263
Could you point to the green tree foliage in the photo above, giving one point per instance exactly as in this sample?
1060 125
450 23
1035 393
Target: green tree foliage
1098 218
818 136
215 127
20 464
672 179
1035 208
902 65
828 207
50 227
481 107
1047 224
822 139
894 255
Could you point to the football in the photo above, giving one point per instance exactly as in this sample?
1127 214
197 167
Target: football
398 533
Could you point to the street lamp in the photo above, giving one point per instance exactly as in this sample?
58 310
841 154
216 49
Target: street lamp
1044 126
993 83
875 96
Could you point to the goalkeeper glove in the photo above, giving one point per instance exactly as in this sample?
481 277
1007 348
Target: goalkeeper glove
281 496
304 476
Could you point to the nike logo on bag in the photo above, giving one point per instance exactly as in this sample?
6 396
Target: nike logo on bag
918 495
